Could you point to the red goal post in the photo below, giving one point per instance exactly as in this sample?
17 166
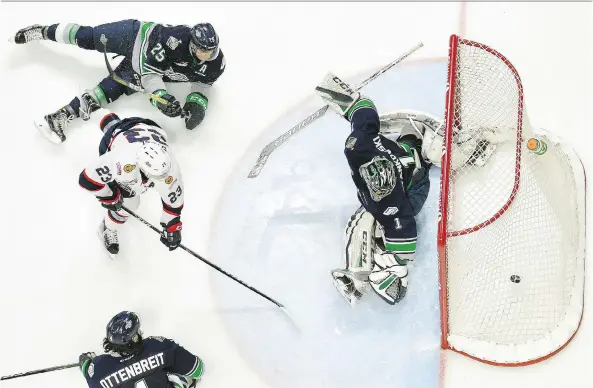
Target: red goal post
511 228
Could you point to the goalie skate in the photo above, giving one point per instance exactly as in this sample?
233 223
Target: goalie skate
343 281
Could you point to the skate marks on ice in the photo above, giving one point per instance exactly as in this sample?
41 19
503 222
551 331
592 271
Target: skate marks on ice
282 232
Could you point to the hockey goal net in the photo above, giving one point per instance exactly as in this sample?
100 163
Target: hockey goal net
511 231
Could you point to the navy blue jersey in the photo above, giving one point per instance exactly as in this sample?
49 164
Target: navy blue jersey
147 369
164 50
363 147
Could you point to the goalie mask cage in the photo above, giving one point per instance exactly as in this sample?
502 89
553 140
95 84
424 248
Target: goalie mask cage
511 233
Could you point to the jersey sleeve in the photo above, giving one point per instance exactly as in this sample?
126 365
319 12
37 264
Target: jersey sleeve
98 178
187 364
172 195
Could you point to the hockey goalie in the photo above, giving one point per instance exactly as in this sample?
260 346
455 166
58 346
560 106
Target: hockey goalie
389 158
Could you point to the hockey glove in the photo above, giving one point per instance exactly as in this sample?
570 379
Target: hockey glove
173 107
115 203
194 109
171 235
84 361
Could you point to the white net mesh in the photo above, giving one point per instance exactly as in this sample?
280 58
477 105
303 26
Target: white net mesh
513 223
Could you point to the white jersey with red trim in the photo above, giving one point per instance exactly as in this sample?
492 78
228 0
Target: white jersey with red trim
117 168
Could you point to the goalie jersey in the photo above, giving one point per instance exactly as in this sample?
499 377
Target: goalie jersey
149 368
162 54
381 169
116 167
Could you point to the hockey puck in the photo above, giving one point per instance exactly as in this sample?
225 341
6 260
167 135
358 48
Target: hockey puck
515 278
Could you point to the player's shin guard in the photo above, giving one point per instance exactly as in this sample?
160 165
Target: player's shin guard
352 281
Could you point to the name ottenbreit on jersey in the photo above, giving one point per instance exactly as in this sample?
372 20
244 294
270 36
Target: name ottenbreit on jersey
126 373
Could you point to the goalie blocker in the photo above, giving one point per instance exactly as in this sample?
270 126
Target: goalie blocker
390 173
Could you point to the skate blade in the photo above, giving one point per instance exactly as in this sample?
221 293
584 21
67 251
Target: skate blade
50 135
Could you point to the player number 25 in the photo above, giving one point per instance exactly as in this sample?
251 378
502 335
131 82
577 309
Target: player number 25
159 52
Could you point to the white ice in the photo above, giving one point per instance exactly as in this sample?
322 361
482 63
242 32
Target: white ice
58 289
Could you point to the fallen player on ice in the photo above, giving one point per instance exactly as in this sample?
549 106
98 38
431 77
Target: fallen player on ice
153 54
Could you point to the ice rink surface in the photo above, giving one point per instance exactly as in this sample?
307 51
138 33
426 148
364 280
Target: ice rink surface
281 232
284 231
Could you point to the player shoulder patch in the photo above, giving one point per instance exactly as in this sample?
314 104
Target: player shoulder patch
173 42
169 180
350 142
91 370
129 167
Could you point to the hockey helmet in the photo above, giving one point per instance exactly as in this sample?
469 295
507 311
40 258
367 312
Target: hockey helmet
205 39
154 160
123 334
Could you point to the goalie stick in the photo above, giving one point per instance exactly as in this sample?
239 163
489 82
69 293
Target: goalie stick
117 79
271 147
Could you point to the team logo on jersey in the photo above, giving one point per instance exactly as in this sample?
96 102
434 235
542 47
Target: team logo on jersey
91 370
169 180
173 42
129 168
350 142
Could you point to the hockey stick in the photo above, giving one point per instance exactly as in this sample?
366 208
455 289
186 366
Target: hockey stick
206 261
271 147
34 372
117 79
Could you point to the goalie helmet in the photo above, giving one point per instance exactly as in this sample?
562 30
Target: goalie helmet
123 334
154 160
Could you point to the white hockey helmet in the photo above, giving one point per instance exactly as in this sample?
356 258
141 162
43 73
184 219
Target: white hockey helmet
154 160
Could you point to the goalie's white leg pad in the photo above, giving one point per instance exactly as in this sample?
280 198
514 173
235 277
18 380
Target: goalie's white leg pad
360 242
337 94
359 247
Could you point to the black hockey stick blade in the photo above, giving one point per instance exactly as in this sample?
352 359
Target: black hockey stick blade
34 372
120 80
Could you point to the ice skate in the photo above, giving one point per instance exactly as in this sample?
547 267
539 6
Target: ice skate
345 286
52 125
28 34
109 239
88 105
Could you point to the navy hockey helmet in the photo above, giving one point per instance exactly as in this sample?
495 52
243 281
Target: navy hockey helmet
204 38
123 334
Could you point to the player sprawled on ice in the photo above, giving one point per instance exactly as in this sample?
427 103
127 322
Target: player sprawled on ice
391 178
133 361
133 157
153 54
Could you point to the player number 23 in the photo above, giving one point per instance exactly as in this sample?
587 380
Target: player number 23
173 195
